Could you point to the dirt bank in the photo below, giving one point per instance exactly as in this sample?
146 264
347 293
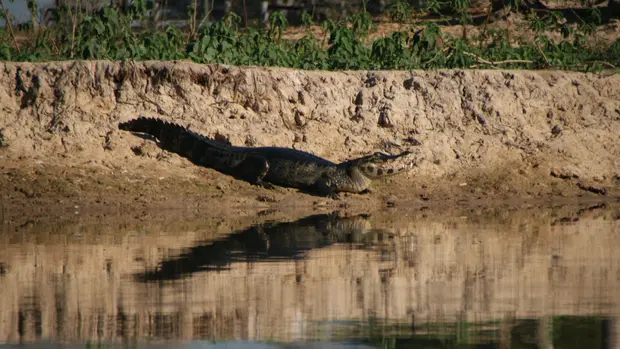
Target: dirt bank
482 134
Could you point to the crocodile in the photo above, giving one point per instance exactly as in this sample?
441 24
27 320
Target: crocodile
270 166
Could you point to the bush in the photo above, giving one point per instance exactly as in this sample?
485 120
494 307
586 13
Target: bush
108 34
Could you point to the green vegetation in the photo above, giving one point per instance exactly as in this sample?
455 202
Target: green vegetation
108 34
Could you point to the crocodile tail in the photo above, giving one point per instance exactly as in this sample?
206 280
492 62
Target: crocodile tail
172 137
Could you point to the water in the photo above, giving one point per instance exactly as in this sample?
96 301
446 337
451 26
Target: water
527 277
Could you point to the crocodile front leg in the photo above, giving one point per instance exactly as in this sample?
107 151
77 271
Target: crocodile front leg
253 169
322 188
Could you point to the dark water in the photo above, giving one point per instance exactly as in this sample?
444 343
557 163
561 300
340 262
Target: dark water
526 277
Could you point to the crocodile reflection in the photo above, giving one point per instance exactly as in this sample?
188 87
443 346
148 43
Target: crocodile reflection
264 243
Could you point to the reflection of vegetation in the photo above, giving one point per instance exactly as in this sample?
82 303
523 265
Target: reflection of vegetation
567 332
430 335
129 344
579 332
108 34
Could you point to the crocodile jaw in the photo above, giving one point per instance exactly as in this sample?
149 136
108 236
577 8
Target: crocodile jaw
381 165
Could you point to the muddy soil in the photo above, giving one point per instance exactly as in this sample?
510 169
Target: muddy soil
481 135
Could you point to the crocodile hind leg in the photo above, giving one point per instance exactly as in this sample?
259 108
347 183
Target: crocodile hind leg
253 169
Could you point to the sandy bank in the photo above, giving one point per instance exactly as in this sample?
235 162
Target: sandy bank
483 134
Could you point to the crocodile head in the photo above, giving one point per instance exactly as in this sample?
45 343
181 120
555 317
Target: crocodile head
380 164
362 171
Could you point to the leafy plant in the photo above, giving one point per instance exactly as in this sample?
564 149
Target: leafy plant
108 34
362 24
5 51
278 22
391 52
347 50
550 21
166 45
